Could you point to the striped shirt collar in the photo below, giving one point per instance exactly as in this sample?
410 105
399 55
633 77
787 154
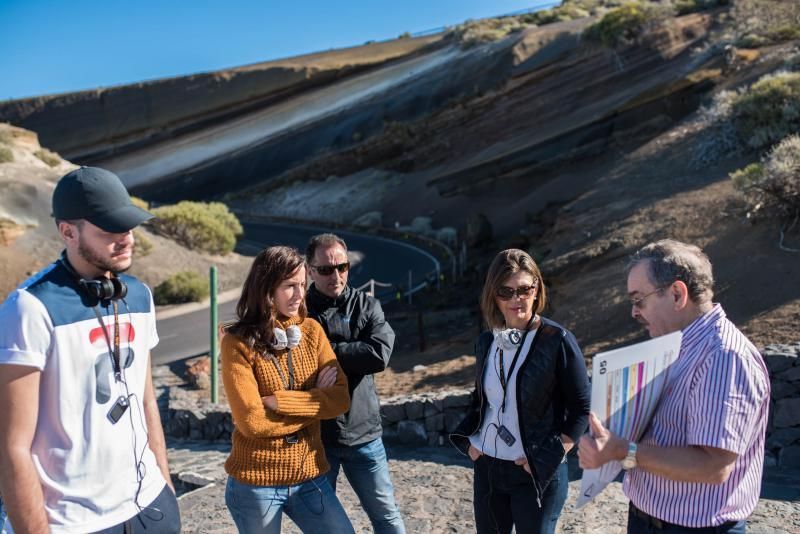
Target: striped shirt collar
700 327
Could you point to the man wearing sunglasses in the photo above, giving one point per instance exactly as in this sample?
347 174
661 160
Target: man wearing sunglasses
363 342
698 466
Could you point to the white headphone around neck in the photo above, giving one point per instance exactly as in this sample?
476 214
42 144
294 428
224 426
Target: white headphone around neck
286 339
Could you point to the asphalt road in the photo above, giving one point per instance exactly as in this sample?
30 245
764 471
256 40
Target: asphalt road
381 259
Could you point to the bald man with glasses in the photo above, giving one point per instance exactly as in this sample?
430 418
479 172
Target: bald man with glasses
363 342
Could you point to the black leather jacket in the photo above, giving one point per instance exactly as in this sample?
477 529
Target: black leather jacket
553 398
363 342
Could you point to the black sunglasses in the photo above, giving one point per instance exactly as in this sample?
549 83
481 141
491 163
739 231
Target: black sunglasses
327 270
507 293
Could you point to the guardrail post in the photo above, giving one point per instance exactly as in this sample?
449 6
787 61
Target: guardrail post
214 352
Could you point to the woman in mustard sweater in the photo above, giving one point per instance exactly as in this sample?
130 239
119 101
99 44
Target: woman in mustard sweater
281 377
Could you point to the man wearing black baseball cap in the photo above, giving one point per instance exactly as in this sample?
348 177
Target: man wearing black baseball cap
81 443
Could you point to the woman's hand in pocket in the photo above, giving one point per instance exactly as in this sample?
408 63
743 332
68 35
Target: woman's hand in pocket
474 453
523 463
567 442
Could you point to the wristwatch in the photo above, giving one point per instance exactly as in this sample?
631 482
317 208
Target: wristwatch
629 462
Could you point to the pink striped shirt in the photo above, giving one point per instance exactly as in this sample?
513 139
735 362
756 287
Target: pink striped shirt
718 396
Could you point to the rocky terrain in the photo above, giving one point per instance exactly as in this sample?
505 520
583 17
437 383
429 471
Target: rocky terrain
433 487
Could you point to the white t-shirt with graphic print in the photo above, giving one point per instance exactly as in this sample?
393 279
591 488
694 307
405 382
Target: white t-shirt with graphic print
87 464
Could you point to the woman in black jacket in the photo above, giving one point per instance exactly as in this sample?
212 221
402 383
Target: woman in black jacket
529 407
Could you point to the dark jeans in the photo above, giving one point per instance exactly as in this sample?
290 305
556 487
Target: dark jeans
504 496
159 517
641 523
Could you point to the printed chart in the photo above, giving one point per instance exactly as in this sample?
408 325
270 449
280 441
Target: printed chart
626 386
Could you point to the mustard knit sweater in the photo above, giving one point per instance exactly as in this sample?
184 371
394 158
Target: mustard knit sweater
260 455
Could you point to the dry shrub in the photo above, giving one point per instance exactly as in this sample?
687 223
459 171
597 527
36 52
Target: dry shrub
772 187
51 159
475 32
623 26
764 22
769 110
750 118
563 13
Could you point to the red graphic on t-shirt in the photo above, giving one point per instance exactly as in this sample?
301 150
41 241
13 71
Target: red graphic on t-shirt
126 334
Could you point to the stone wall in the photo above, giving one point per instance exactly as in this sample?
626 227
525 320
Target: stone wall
427 418
424 418
783 432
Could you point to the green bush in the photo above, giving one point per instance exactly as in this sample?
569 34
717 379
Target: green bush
744 179
769 110
6 156
209 227
50 158
624 24
184 286
773 186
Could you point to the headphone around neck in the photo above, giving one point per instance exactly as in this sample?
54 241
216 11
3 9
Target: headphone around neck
100 288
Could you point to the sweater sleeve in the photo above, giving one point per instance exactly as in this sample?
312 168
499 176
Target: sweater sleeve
573 381
318 403
250 415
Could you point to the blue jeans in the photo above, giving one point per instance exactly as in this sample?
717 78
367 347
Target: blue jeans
367 470
504 496
312 505
638 523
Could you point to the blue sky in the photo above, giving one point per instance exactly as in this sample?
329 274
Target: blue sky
59 46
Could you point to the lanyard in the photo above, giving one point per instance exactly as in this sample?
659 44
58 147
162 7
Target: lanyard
290 384
503 378
112 351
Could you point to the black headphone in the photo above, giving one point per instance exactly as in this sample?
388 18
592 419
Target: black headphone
100 288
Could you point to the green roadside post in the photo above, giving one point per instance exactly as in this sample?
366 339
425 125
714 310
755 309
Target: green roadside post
214 352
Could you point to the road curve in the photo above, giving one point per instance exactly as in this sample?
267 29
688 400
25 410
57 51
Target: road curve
383 259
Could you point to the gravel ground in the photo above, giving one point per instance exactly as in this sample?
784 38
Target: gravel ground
433 487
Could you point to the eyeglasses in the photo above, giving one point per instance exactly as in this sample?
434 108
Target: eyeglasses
507 293
638 302
327 270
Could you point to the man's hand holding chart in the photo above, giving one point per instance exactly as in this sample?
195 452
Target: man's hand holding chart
627 384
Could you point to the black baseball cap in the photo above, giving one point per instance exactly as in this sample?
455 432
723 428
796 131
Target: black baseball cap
98 196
